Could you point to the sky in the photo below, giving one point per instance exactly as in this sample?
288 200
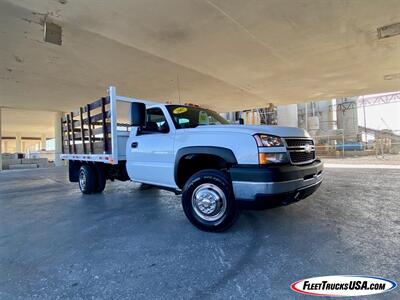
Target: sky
390 113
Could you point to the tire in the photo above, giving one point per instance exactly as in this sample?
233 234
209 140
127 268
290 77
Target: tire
87 179
208 201
100 179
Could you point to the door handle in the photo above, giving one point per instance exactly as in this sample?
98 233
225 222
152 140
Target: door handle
134 144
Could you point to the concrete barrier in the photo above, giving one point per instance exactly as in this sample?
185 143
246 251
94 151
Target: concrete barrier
34 160
23 166
38 162
8 156
8 162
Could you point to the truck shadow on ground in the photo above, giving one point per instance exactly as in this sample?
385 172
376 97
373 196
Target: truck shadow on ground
253 226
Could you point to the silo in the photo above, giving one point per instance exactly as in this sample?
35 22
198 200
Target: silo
326 119
287 115
347 120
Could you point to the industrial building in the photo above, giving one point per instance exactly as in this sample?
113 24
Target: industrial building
334 124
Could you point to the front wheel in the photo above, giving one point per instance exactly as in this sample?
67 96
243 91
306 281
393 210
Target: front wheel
208 201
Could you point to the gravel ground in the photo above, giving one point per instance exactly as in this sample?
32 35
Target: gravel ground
132 242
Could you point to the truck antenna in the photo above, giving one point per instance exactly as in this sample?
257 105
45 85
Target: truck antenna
179 87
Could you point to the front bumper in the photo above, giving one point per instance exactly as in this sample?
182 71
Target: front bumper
281 184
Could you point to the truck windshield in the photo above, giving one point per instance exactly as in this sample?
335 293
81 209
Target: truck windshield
190 117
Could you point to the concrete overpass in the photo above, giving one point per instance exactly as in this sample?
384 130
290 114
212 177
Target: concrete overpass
224 54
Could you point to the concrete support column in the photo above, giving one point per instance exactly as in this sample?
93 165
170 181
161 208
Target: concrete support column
57 138
43 142
5 146
18 144
1 160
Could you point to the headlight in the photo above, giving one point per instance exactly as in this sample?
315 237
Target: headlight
264 140
270 156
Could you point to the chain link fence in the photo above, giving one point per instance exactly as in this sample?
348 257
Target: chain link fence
380 144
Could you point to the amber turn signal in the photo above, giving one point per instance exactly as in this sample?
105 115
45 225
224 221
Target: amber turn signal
262 158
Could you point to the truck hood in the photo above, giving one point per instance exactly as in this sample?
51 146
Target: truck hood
252 129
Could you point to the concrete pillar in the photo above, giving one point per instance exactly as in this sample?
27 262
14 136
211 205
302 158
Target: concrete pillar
1 161
18 145
43 142
57 138
5 146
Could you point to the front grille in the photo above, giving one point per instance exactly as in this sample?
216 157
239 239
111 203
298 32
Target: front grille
301 150
293 142
302 157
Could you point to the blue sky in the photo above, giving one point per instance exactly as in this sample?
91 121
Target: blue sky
374 114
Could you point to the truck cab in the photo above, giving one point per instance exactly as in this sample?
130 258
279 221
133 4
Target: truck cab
217 167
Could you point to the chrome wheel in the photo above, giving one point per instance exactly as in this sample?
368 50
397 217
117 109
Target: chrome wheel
82 180
209 202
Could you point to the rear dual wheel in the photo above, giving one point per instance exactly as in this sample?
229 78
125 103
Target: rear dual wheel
91 179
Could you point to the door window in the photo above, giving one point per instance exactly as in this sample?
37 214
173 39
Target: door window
155 121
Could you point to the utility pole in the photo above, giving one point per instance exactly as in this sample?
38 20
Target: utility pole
344 125
365 124
306 118
179 87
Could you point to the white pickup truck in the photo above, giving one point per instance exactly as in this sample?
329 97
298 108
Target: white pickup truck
217 167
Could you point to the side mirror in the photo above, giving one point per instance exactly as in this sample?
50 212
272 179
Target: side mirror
241 121
138 114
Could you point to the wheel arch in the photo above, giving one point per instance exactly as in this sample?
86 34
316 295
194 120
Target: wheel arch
219 154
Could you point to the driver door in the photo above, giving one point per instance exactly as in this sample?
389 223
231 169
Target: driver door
150 155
